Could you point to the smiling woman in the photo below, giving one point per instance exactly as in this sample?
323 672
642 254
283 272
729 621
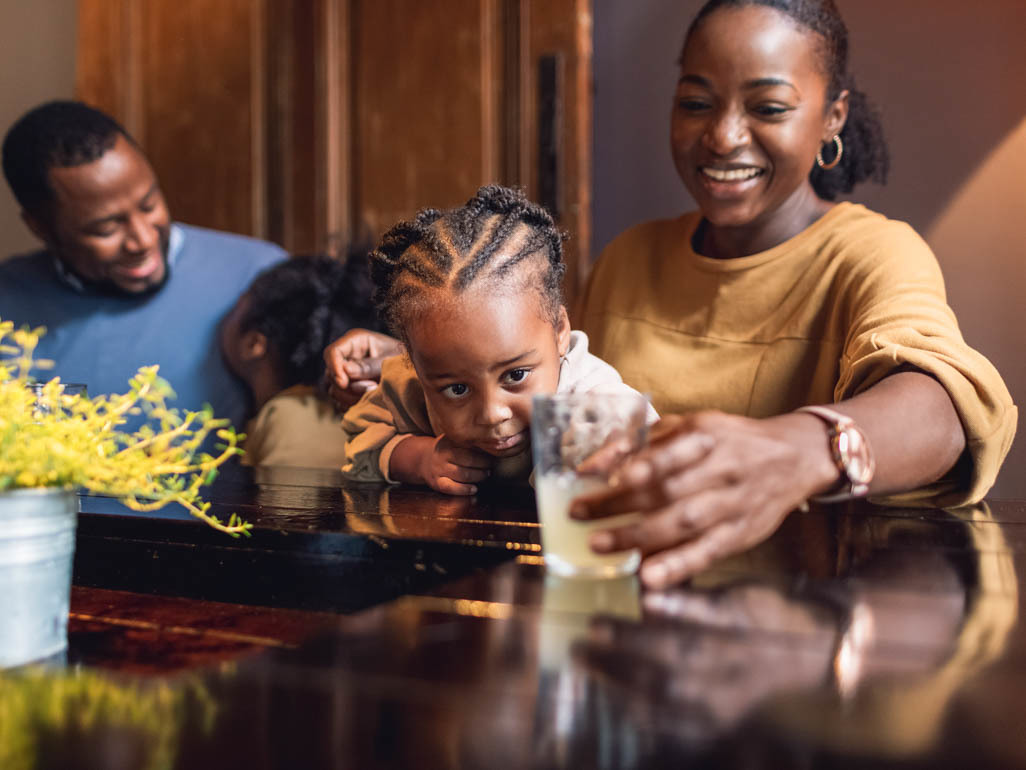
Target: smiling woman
753 108
770 299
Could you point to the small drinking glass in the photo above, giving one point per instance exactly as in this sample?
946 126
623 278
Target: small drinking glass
576 439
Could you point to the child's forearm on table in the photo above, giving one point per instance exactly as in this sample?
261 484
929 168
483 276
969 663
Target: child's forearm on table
407 460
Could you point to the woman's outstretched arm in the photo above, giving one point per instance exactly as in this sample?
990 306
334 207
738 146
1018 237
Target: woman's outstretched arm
711 484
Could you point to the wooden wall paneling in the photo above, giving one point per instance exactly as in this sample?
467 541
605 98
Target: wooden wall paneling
101 58
334 127
516 74
188 81
307 125
293 131
321 122
280 106
560 31
203 70
424 106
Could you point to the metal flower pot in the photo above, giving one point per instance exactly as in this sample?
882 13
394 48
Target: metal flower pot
37 545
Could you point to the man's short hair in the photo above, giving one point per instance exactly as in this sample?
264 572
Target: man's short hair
54 135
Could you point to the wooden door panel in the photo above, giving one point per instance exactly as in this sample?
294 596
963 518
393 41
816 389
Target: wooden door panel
327 121
202 102
423 106
559 33
102 67
186 79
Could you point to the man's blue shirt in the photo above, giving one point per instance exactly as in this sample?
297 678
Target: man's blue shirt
102 339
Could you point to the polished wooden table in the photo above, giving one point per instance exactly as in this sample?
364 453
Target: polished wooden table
363 626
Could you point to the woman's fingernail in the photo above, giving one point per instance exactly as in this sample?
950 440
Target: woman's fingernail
578 511
601 541
473 489
654 574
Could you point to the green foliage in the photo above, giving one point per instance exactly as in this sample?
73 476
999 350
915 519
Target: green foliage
49 439
37 704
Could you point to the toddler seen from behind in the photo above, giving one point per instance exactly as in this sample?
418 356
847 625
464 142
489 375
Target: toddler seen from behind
273 339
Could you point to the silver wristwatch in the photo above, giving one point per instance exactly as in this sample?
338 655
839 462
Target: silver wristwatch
852 454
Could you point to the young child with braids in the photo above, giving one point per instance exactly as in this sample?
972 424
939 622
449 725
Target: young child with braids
474 294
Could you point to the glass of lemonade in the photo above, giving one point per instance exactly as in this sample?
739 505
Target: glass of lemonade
567 432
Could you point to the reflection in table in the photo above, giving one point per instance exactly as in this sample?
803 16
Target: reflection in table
370 627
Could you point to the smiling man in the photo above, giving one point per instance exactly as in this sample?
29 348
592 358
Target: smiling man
118 284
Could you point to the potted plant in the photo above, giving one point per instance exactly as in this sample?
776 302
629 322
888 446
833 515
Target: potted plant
52 444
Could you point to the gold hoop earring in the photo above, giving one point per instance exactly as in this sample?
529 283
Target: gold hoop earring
837 158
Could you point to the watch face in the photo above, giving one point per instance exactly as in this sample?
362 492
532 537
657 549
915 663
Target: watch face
854 455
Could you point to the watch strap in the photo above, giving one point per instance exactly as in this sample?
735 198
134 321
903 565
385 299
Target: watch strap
851 454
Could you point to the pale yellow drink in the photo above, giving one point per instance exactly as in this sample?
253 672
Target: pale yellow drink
565 540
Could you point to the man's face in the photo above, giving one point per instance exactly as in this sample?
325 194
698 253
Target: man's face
109 222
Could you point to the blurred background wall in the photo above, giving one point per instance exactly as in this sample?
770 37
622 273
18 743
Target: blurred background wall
37 62
950 81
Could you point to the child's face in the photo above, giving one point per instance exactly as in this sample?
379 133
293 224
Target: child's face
480 359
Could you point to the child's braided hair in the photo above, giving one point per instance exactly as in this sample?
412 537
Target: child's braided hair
494 233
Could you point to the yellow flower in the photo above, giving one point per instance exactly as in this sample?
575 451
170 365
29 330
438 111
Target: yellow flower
47 439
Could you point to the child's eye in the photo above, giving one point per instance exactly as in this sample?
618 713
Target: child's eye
516 376
456 390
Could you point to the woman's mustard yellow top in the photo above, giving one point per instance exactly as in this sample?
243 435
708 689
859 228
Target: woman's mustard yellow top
819 318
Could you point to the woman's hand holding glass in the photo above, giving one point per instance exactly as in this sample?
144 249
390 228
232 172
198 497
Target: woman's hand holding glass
709 485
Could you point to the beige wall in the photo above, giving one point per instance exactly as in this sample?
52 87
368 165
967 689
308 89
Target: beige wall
950 79
952 85
37 63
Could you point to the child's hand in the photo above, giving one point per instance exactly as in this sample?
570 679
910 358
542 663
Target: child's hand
439 463
454 469
353 364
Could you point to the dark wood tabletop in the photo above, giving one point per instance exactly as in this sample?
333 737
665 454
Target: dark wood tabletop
367 626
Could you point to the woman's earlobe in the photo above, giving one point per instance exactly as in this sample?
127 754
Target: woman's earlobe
837 116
